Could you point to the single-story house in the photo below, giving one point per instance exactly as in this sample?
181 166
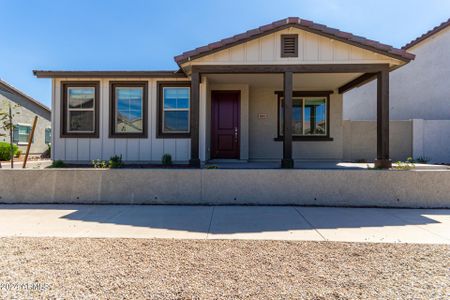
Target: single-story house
419 98
271 93
24 110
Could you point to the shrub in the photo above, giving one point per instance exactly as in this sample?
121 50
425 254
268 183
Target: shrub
212 167
18 153
166 159
57 164
115 161
407 165
100 164
5 150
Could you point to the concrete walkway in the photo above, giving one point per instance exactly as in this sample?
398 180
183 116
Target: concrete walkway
228 222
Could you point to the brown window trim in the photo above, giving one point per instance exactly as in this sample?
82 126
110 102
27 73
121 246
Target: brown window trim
112 108
283 53
159 132
305 138
64 86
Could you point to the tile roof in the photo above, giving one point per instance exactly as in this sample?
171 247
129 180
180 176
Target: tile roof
301 24
428 34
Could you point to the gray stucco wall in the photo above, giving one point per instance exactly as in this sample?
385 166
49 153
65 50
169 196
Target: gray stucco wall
419 90
26 117
270 187
263 131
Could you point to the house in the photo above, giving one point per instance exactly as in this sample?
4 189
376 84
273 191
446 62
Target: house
271 93
27 108
419 97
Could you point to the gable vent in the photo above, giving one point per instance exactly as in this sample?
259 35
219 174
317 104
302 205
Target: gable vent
289 45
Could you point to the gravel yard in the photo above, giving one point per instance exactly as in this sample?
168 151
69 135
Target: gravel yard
185 269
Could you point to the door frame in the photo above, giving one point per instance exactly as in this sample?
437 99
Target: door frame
238 92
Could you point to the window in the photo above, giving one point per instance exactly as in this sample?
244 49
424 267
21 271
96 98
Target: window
174 109
80 109
21 134
128 117
48 136
289 45
310 116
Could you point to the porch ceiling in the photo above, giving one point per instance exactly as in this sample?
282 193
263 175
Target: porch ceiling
310 82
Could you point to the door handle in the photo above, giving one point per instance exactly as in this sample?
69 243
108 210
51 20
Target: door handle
235 134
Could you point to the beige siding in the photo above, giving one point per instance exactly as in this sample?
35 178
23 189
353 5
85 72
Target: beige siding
313 49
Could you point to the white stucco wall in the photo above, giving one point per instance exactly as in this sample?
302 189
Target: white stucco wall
431 139
418 90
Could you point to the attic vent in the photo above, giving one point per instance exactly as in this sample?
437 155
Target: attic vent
289 45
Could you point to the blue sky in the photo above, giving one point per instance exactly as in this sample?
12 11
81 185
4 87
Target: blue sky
146 35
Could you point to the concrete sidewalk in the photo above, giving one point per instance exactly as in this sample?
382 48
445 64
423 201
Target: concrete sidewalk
228 222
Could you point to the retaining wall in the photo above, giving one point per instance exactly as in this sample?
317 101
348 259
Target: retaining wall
425 189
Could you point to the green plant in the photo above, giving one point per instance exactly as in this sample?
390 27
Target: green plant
405 165
100 164
7 124
422 159
5 150
166 159
57 164
18 153
212 167
115 161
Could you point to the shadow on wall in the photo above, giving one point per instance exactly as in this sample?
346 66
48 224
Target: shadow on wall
239 219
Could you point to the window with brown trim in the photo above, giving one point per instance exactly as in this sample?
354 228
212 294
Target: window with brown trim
310 116
174 102
289 45
128 109
80 109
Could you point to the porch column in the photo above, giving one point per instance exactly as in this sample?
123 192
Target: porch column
383 160
195 119
287 162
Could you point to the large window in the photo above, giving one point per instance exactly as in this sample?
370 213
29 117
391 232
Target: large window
174 106
128 109
21 134
310 116
80 109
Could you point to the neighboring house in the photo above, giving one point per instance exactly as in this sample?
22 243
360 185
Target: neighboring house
227 100
419 96
27 109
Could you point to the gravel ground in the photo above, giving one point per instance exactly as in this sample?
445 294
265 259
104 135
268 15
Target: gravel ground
182 269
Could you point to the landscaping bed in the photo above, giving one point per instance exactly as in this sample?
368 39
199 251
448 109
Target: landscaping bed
184 269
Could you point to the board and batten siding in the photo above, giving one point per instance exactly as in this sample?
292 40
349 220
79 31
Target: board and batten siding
148 149
312 49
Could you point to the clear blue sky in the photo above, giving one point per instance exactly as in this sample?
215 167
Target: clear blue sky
146 35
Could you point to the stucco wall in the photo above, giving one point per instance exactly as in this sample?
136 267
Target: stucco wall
431 140
419 90
263 131
270 187
360 140
26 117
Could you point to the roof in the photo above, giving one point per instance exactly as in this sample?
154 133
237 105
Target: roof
428 34
20 97
109 74
303 24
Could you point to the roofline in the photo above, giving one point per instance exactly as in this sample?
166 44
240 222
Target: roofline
427 34
108 74
296 22
22 94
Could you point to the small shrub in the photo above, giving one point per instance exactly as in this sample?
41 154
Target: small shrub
405 165
18 153
100 164
115 161
5 150
212 167
422 159
166 159
57 164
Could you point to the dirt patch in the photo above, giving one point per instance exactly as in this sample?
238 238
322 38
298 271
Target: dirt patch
182 269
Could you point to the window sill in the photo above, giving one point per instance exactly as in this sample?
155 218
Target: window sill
22 144
306 139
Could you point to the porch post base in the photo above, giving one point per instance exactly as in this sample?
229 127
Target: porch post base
383 163
287 163
194 162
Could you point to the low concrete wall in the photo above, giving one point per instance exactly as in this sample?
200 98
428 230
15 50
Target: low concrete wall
360 140
429 189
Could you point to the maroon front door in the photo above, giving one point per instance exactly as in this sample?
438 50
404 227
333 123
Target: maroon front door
225 116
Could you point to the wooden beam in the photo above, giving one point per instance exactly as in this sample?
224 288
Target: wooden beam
195 119
317 68
382 160
357 82
287 161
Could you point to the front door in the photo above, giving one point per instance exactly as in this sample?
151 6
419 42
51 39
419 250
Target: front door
225 130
